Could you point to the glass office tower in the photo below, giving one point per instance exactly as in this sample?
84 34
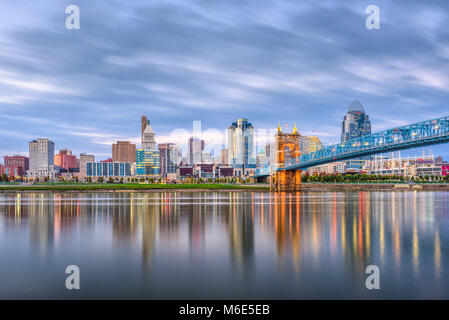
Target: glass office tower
355 123
241 146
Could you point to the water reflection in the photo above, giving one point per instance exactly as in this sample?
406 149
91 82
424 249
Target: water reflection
288 244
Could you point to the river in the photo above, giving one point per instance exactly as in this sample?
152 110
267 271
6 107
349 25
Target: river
225 245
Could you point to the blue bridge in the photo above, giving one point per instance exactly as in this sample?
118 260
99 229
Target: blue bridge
410 136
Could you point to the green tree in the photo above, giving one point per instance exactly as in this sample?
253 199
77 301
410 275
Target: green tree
305 177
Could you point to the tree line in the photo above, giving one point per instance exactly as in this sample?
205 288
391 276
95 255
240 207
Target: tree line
364 177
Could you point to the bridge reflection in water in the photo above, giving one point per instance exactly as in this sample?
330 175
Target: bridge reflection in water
225 244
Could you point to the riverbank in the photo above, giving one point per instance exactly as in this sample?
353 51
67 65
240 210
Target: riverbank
374 186
129 187
316 186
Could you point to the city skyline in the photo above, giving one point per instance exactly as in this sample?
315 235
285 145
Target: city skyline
181 138
280 71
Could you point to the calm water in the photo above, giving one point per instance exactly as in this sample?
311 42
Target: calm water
225 244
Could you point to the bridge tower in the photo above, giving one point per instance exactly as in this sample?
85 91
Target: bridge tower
287 149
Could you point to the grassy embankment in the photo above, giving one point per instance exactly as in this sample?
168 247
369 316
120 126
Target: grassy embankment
126 186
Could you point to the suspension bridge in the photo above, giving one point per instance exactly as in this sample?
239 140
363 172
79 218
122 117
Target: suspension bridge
286 174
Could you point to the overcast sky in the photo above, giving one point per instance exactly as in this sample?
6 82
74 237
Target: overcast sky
269 61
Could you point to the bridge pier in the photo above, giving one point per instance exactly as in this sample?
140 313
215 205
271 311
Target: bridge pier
286 180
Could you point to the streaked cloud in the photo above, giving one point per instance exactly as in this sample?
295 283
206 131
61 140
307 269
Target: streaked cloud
212 60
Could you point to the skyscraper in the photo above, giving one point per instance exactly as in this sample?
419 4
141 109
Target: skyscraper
241 146
123 151
170 158
42 152
195 150
148 158
355 123
148 141
143 124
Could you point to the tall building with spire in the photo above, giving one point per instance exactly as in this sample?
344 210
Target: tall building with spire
143 124
148 157
148 141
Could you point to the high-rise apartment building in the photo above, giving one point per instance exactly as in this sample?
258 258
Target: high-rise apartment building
123 151
84 159
42 152
65 160
355 123
241 145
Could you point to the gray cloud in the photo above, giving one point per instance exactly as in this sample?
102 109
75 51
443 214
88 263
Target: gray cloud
179 61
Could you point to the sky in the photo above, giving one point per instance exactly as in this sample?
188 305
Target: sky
270 61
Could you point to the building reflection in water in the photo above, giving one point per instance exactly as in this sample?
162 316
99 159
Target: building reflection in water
240 223
305 229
